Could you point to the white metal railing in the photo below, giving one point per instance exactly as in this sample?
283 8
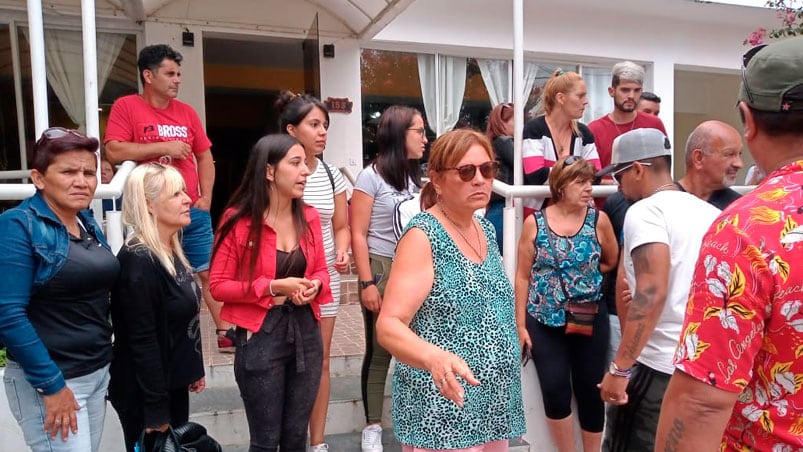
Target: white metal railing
112 190
512 220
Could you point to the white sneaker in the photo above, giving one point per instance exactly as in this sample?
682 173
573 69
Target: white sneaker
372 438
323 447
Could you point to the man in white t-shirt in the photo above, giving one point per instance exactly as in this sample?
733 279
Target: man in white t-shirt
663 231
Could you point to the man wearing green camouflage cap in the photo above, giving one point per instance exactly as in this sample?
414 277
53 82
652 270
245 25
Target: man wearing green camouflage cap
738 383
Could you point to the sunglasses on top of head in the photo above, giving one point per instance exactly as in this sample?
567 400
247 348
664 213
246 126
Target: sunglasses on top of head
54 133
489 170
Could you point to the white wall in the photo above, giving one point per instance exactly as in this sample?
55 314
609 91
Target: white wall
340 77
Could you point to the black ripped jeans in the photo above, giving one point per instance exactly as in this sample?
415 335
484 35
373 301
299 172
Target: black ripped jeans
278 371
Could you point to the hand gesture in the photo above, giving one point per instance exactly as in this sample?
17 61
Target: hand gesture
370 298
60 411
342 261
198 386
446 370
308 293
177 149
613 389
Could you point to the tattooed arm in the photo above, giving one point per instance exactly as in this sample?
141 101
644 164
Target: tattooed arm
693 415
651 266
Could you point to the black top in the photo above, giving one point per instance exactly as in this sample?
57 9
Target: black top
503 148
157 340
615 207
71 311
719 198
291 263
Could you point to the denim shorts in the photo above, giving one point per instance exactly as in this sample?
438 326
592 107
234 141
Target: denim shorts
197 239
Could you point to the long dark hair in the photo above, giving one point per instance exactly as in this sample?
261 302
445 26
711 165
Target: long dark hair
293 108
392 162
251 199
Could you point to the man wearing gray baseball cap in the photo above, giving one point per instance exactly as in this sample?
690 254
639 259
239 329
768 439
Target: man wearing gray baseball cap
662 234
740 357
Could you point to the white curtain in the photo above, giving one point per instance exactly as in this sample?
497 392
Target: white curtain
599 101
442 89
65 67
530 76
496 75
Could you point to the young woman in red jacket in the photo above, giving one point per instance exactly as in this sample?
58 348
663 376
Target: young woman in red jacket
269 270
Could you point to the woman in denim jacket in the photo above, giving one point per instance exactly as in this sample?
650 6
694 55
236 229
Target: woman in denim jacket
56 274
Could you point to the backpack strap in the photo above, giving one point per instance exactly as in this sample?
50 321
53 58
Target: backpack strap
328 173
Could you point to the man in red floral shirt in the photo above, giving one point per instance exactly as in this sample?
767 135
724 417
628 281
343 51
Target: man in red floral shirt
739 360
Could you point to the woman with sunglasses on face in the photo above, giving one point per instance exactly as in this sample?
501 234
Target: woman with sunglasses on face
56 273
448 315
500 132
269 270
556 132
563 251
155 309
394 176
307 120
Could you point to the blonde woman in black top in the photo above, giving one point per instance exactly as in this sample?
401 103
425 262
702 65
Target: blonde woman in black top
155 307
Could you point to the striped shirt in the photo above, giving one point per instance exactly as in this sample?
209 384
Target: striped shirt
318 193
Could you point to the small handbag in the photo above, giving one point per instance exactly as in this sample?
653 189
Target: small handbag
580 315
187 437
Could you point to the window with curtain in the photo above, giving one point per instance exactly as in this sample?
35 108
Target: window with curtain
117 75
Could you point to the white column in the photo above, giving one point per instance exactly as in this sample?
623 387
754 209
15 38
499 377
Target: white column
36 37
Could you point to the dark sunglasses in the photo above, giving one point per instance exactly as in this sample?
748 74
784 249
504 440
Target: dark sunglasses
489 170
617 174
54 133
745 60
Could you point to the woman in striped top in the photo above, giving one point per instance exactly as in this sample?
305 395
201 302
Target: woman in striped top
306 119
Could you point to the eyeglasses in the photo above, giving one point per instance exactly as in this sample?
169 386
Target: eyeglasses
421 131
489 170
745 60
616 174
54 133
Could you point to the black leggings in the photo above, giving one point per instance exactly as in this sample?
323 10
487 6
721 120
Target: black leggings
571 361
278 371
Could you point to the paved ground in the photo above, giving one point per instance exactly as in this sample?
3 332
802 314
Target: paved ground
348 339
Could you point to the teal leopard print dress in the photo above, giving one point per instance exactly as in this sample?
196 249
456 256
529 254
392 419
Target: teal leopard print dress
470 312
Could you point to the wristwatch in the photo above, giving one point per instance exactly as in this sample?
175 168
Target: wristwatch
614 370
366 284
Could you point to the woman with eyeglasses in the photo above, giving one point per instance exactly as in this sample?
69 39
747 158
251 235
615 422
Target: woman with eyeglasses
393 177
556 132
56 274
155 310
448 314
269 270
307 120
563 251
500 132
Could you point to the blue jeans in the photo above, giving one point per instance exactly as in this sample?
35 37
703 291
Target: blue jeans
28 409
197 238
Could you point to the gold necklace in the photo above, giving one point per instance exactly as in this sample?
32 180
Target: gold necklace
619 131
473 223
664 187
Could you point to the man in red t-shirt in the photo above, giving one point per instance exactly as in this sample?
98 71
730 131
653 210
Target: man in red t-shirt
738 380
156 127
625 90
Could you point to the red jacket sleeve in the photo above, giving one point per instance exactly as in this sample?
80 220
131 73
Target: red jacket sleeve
228 282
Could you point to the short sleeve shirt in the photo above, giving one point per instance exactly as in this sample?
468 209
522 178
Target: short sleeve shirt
381 236
743 330
133 120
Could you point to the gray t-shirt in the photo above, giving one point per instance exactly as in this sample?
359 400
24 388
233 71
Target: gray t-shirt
381 239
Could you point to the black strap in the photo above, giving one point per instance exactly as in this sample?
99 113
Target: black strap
328 173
